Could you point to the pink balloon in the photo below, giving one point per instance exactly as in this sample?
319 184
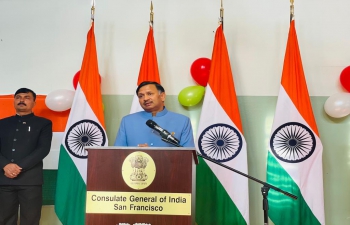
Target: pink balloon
200 70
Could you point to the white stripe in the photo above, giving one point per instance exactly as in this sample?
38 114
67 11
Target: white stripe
306 174
235 184
135 106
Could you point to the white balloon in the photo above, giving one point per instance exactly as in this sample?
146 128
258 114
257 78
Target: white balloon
60 100
338 105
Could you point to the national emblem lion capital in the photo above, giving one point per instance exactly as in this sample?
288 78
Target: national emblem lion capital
138 163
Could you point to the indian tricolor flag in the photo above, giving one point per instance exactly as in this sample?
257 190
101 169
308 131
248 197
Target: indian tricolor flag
85 128
294 161
221 195
148 69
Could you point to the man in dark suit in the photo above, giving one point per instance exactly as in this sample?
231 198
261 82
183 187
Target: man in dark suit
25 140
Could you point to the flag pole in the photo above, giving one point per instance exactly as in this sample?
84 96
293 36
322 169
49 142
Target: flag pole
92 11
222 16
151 15
291 10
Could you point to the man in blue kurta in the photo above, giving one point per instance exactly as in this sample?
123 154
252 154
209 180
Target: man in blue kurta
133 130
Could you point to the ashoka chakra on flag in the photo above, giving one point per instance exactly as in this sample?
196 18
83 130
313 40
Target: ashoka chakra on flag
292 142
84 133
220 142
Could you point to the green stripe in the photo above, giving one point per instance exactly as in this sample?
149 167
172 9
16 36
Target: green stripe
213 205
70 192
282 209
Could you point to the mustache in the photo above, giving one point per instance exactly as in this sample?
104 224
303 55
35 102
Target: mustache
22 103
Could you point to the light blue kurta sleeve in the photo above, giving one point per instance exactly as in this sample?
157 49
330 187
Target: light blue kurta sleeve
186 139
120 140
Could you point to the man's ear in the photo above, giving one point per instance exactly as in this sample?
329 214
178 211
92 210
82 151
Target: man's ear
162 96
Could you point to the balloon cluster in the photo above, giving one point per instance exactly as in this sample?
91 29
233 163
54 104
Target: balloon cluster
192 95
338 105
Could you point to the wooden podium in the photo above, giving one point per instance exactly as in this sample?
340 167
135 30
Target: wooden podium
124 188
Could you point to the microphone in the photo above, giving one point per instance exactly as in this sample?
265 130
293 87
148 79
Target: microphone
163 133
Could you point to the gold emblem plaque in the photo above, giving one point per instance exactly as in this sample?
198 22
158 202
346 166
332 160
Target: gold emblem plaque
138 170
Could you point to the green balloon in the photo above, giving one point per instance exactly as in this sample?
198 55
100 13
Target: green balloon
191 95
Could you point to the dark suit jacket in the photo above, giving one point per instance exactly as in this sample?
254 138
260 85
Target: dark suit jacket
25 141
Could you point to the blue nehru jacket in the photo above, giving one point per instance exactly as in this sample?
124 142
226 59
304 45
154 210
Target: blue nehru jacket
133 129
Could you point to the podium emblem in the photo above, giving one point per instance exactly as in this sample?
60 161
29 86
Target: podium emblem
138 170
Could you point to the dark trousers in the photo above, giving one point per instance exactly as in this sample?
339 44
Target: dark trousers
29 198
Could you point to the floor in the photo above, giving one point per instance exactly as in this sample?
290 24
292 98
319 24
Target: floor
48 216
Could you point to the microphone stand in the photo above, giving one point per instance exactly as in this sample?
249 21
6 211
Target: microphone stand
264 190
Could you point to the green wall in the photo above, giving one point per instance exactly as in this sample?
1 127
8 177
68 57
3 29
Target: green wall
257 116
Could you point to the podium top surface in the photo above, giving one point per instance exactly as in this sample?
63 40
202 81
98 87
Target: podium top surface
193 150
